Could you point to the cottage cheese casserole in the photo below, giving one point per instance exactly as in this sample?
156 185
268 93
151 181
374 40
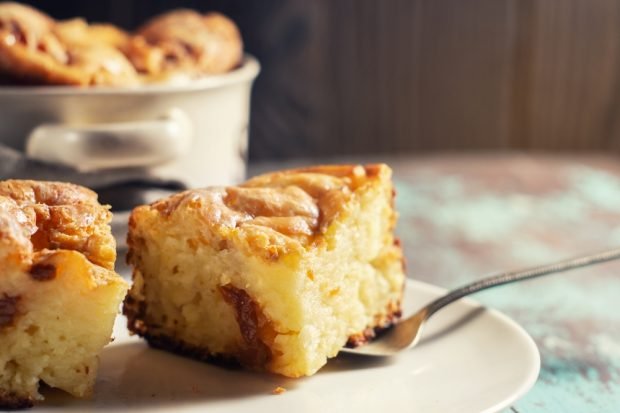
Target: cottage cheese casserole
277 274
59 294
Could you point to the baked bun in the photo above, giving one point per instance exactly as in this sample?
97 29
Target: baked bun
96 49
35 49
30 51
189 42
277 274
59 295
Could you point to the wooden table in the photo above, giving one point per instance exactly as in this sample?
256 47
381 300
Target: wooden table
463 217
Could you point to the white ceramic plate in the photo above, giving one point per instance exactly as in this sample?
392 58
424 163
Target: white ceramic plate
470 360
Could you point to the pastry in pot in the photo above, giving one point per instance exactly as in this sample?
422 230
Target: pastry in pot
277 274
35 49
186 41
30 51
78 30
95 49
59 294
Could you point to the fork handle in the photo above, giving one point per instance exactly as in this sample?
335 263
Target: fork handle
525 274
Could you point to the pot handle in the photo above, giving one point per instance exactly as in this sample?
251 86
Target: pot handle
112 145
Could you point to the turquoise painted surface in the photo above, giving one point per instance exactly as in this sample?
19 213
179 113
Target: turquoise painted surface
464 218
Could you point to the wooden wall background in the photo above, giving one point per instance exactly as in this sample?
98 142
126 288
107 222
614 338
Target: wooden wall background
372 76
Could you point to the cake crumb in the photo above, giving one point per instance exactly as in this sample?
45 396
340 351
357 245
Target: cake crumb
278 390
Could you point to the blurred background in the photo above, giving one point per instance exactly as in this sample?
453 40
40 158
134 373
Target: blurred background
412 76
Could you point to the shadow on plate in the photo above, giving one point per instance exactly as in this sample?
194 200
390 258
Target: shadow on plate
134 376
346 362
351 361
455 324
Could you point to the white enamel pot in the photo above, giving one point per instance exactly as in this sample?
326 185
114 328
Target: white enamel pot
195 133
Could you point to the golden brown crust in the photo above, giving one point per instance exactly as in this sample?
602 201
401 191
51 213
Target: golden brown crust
50 193
13 401
51 215
296 203
16 228
381 323
272 215
179 347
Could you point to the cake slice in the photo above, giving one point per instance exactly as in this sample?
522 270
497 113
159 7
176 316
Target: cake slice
277 274
59 294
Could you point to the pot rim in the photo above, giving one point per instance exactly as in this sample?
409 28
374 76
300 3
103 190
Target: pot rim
248 70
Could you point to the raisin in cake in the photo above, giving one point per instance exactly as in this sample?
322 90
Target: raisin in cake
277 274
59 294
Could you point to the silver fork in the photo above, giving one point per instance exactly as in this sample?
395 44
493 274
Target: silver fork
406 333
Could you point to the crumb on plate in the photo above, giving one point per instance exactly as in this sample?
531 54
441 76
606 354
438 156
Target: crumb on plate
278 390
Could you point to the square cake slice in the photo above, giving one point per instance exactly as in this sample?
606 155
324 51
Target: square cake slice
277 274
59 294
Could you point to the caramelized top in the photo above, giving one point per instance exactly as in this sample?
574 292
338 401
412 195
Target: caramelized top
52 215
298 203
